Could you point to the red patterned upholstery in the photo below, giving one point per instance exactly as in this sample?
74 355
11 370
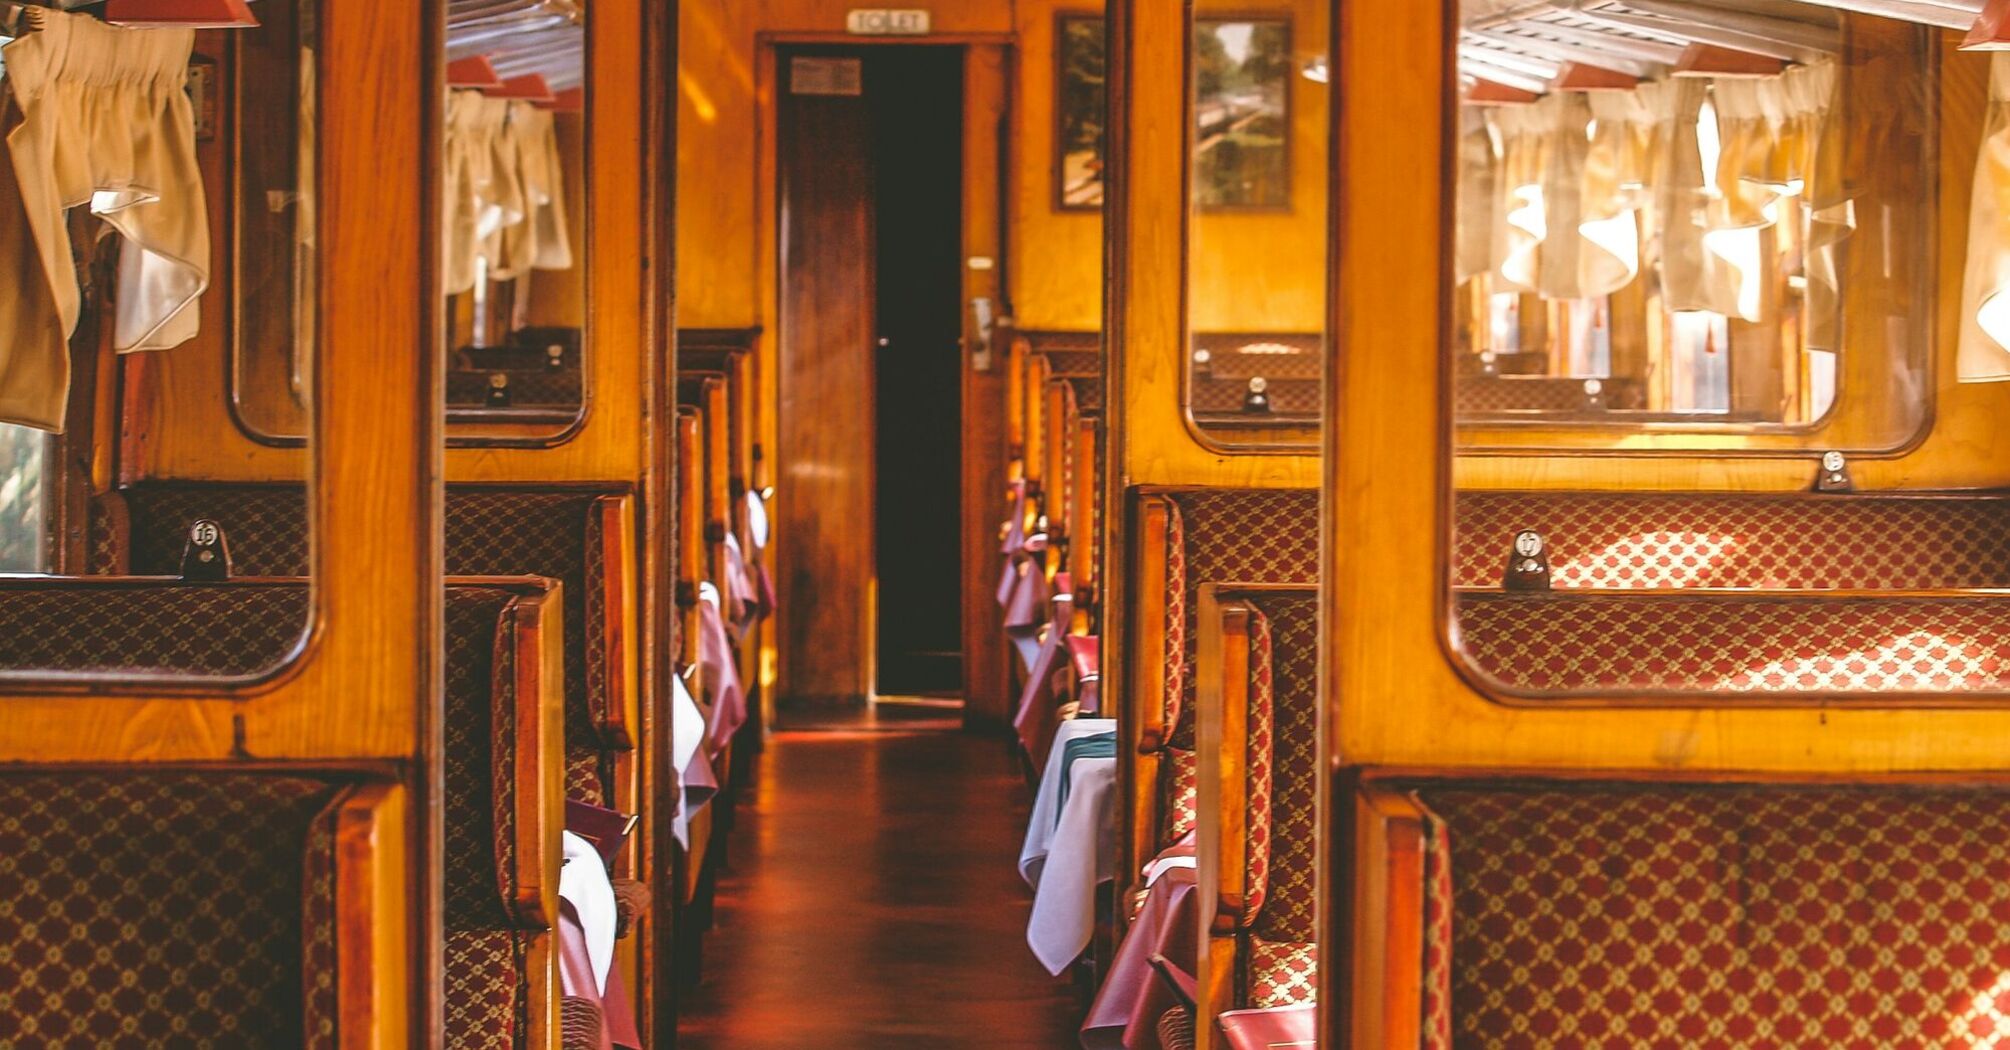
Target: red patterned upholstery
1288 397
483 1006
105 536
161 908
1482 394
318 992
1643 539
1437 991
1279 963
1074 362
1221 536
502 531
539 386
1182 794
1088 395
149 628
1234 536
1284 697
1283 973
490 531
1690 644
485 987
1711 918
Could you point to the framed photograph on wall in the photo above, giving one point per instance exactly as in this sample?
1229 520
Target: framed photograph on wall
1242 112
1079 93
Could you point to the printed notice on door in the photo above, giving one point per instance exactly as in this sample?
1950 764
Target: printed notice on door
825 76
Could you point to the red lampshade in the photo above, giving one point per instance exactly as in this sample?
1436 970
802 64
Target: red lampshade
185 14
1577 76
530 87
1486 92
473 71
1709 60
1992 29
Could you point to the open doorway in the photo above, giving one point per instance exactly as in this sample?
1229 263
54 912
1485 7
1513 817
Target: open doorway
871 198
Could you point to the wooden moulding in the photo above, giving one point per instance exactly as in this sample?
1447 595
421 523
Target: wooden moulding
1141 721
622 727
372 915
535 622
1221 749
1380 885
690 538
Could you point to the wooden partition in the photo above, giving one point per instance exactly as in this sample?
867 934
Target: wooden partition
1402 708
358 701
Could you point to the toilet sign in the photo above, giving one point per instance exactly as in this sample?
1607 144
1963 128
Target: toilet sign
886 21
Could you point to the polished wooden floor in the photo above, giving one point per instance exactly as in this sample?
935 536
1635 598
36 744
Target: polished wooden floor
873 901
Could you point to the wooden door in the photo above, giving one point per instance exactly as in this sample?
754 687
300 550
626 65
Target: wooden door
824 495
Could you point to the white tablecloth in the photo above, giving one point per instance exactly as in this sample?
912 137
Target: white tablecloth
1047 801
1081 856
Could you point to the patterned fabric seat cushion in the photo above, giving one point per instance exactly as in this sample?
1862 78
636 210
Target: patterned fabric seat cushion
527 386
1643 539
1718 644
485 989
1717 918
1221 536
1480 394
1288 397
490 531
1281 823
160 908
238 629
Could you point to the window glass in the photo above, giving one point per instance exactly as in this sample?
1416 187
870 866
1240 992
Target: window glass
1679 218
175 222
274 227
1713 226
1256 287
22 540
514 186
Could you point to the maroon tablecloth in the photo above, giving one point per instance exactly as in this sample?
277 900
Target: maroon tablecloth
1126 1011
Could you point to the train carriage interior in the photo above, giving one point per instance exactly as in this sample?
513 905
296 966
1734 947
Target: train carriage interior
1018 524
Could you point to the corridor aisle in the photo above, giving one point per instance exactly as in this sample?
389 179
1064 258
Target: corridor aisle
873 902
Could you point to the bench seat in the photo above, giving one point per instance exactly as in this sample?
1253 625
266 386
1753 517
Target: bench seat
1711 917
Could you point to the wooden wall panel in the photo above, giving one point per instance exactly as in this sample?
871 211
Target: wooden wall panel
986 694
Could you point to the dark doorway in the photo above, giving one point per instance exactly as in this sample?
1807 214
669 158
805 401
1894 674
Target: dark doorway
916 95
872 268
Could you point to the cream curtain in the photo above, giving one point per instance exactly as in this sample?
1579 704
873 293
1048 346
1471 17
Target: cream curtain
1520 222
95 115
505 191
1983 353
541 241
1693 277
1566 187
1479 177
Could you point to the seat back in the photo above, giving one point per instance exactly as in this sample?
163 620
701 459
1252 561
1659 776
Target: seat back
162 907
151 904
1715 915
1681 539
1257 730
503 810
1187 538
578 535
